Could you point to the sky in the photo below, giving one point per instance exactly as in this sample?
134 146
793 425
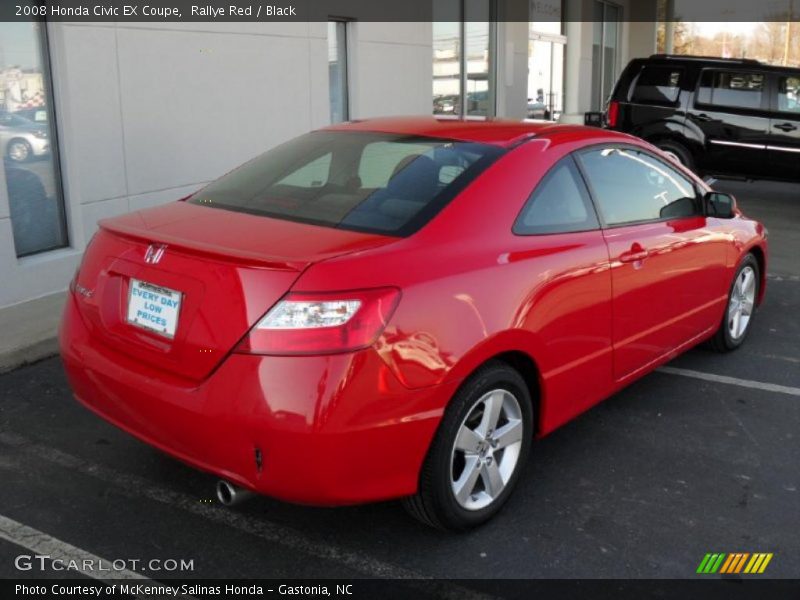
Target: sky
711 29
18 45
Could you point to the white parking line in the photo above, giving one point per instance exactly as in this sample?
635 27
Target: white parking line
746 383
773 277
42 544
257 526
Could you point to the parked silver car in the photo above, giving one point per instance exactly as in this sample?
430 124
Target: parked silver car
21 139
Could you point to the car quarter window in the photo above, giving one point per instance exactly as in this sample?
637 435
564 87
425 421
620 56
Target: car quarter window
789 94
658 85
559 204
733 89
631 186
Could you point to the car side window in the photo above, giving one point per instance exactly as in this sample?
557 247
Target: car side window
559 204
657 85
789 94
733 89
631 186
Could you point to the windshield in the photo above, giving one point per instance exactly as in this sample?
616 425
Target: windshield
15 121
374 182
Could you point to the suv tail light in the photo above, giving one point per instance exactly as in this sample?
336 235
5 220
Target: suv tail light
322 323
612 114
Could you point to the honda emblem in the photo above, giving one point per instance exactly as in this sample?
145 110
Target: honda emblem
154 253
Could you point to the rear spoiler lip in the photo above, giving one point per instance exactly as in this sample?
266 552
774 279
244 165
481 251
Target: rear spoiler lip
241 257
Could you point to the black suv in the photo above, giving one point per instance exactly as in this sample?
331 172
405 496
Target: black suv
727 117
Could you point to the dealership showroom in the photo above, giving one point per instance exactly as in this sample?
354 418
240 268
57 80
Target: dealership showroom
186 394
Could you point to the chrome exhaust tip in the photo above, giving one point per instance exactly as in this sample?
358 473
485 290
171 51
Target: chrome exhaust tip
231 495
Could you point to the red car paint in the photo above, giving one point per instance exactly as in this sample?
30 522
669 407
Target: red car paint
348 427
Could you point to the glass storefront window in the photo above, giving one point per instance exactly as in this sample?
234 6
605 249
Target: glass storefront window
446 68
337 71
545 77
463 55
27 140
607 17
546 47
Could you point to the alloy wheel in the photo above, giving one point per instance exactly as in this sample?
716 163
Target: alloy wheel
18 151
740 307
486 450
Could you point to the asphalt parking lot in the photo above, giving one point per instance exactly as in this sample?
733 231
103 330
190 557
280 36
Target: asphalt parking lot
702 457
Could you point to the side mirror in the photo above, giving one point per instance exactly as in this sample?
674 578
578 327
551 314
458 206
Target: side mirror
719 205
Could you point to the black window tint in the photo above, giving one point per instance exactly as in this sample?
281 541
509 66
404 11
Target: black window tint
374 182
789 94
658 85
559 204
733 89
630 186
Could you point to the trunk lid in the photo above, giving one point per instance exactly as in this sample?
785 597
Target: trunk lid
226 269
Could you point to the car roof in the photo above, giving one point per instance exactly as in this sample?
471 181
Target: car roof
500 132
715 61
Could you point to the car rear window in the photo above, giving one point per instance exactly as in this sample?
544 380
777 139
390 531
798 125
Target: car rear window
658 85
734 89
373 182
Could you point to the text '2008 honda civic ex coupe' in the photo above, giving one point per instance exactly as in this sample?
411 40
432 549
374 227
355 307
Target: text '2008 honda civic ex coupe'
396 308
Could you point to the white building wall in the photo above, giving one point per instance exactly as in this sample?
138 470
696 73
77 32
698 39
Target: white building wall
147 113
391 69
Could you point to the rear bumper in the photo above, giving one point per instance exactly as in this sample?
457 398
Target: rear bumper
336 429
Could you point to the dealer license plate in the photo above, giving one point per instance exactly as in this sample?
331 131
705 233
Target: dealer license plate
153 307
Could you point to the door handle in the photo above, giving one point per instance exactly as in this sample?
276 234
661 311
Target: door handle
636 253
785 126
703 117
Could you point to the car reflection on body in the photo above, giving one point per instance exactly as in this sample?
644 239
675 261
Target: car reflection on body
396 308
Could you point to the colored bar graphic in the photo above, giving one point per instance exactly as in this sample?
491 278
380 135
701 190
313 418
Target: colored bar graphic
730 565
754 561
741 562
703 563
764 564
734 563
727 564
711 563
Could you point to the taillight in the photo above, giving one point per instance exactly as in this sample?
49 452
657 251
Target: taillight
322 323
612 114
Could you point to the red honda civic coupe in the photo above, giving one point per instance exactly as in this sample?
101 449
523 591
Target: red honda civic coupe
396 308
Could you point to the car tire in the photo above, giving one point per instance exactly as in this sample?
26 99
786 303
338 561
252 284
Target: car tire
498 446
19 150
740 308
678 152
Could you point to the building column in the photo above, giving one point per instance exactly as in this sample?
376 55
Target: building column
669 27
511 73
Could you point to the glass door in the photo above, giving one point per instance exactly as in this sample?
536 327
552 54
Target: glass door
545 77
463 59
607 17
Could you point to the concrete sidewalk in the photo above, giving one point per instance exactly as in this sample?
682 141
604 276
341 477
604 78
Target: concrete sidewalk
28 330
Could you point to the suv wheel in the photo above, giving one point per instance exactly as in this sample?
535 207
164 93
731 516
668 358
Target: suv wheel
678 153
